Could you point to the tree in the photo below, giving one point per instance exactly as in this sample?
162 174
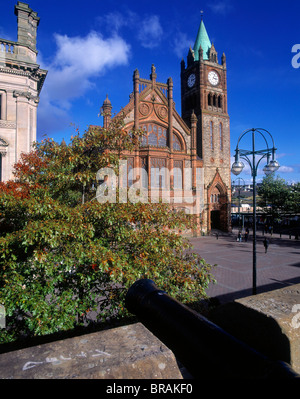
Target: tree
61 259
277 198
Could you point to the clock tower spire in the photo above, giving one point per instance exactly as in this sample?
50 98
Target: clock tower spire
204 93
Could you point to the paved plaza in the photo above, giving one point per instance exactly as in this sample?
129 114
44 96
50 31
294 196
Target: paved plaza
277 268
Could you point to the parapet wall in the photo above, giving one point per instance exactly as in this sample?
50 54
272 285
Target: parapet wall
129 352
268 322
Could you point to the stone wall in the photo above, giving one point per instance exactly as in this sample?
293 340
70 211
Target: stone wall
129 352
268 322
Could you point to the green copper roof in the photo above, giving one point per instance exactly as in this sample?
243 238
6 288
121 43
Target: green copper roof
203 41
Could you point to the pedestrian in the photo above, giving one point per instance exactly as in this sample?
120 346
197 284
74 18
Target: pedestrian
239 237
246 234
266 244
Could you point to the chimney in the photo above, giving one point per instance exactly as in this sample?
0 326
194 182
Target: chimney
28 22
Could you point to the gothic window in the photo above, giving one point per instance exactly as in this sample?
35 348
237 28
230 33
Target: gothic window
152 139
209 100
215 100
220 101
162 137
144 166
176 143
130 162
127 179
158 173
221 136
177 175
144 138
215 197
211 136
156 136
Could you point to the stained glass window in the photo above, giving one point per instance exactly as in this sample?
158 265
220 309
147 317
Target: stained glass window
176 143
177 173
158 172
156 136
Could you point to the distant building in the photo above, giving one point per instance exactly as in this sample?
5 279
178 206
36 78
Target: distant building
199 139
21 81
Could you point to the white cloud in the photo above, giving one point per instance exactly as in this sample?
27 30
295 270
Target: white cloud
77 61
181 44
150 32
286 169
114 21
147 29
221 7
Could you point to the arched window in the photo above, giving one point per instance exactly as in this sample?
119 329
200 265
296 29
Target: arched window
155 135
211 136
220 101
215 196
209 99
177 174
176 143
221 136
215 100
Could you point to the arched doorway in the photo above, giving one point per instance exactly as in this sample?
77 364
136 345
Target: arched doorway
215 209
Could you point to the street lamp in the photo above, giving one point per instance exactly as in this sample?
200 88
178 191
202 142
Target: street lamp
270 167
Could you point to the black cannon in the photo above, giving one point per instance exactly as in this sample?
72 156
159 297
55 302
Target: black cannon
206 350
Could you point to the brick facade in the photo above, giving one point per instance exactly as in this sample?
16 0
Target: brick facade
198 140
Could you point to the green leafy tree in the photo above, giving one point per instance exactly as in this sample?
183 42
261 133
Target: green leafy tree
62 260
277 198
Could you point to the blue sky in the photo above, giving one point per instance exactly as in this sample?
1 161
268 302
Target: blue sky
91 49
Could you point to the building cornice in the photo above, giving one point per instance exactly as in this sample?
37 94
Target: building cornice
33 72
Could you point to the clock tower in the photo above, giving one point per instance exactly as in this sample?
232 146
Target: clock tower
204 92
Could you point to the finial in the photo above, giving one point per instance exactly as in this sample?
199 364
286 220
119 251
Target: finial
106 101
153 73
201 12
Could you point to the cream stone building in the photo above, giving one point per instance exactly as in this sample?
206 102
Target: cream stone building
21 81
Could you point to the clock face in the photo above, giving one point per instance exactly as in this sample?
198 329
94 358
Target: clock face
191 80
213 78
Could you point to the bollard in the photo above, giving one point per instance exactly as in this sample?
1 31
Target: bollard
206 350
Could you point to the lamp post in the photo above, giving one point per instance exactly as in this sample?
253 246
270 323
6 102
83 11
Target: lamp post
250 157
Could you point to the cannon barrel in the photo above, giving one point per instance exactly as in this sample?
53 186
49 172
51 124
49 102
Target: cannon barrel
206 350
